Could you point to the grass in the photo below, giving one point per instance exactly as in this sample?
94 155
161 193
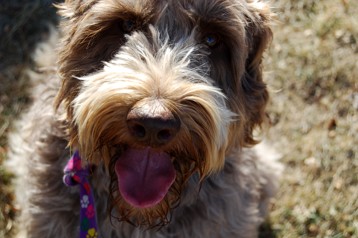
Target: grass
312 70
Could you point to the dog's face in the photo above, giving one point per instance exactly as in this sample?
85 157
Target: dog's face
159 90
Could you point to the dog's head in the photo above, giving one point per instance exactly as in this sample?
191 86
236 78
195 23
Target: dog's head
159 90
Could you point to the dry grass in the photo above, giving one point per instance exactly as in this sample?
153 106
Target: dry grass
312 68
313 65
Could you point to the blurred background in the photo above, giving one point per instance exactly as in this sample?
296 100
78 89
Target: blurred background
311 69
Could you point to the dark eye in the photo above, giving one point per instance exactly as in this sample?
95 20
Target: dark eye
128 25
211 40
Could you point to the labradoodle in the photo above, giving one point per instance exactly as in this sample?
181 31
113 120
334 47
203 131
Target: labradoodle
143 121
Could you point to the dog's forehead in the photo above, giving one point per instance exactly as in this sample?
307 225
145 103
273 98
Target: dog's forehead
175 17
179 11
218 9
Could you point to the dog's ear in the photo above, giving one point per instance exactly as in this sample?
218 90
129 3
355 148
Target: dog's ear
81 51
88 40
259 33
258 36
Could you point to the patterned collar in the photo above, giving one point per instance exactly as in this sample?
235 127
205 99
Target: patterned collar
75 174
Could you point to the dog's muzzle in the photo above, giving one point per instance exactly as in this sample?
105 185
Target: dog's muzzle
145 172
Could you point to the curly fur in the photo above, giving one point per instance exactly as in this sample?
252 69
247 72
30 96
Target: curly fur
117 56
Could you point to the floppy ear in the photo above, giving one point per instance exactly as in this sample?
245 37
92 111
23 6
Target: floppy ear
258 36
88 40
72 11
259 33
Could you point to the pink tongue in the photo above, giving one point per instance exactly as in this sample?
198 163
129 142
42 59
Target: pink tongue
144 176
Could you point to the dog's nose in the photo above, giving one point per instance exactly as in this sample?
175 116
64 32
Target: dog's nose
152 126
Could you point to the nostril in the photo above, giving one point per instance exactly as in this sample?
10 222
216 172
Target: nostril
137 130
164 135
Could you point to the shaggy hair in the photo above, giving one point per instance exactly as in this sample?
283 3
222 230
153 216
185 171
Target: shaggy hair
191 68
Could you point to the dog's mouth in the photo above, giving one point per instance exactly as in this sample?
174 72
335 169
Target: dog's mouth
144 175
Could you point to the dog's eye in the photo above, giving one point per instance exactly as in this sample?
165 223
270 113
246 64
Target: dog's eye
211 40
128 25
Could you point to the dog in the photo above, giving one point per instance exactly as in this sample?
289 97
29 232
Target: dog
158 103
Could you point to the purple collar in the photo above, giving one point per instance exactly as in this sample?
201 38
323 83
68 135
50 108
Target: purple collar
75 174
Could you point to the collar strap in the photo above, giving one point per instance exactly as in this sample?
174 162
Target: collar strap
75 174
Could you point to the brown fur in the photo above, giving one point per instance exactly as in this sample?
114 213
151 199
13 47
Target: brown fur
117 56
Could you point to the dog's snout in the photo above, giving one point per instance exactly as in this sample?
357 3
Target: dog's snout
152 126
153 131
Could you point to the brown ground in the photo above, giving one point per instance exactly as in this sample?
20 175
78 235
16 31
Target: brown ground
312 70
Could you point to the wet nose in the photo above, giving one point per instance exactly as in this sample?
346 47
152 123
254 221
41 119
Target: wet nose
152 126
